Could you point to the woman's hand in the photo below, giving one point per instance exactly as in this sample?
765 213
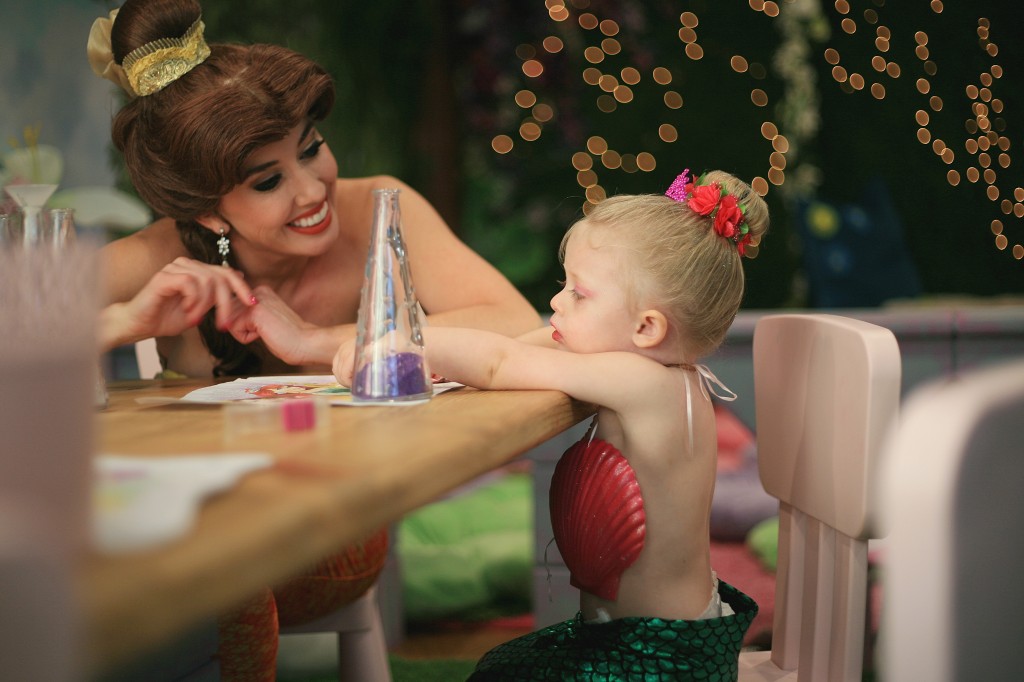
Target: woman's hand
344 362
284 333
175 299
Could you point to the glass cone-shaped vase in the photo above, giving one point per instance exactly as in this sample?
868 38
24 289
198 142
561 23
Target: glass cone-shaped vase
390 365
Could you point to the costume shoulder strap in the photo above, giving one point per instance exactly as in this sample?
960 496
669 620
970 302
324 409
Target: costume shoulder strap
708 382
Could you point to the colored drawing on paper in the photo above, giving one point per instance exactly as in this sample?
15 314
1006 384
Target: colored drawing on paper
297 390
284 388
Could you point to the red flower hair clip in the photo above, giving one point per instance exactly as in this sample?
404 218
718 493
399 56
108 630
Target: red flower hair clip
712 200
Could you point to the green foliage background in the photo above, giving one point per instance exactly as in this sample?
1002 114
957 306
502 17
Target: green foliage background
424 85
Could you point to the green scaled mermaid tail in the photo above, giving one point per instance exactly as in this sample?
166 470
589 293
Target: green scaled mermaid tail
627 649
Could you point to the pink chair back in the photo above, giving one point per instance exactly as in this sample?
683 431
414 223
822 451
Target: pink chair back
826 390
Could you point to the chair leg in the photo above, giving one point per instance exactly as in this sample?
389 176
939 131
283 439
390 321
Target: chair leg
789 586
363 653
818 607
848 618
832 645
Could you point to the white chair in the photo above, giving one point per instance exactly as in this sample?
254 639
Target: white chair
826 388
953 494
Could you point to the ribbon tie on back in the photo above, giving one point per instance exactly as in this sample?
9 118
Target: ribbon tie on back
707 381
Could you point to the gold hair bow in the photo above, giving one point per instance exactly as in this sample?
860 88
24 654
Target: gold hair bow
153 66
101 55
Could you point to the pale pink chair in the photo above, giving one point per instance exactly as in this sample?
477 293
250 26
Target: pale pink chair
826 390
953 494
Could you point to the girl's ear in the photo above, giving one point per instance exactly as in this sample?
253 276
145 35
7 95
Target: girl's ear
651 329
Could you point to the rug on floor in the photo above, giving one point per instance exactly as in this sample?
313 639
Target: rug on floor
402 670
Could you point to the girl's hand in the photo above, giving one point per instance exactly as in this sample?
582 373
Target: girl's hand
344 362
283 332
178 296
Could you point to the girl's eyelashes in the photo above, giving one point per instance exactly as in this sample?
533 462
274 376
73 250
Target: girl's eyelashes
576 296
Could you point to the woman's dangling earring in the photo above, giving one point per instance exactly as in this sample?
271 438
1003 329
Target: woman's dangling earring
223 247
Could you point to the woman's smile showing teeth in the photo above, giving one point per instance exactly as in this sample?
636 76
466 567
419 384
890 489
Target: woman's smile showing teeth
313 222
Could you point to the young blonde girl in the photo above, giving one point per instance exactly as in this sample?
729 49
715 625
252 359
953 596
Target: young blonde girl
652 284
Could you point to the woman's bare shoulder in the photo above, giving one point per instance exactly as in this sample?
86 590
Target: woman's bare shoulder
163 232
363 186
354 200
354 196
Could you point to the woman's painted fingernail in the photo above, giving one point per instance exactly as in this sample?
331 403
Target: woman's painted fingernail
252 300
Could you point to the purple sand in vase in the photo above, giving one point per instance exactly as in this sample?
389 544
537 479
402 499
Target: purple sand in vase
405 376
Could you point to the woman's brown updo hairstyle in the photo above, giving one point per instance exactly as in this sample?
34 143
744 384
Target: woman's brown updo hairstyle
186 146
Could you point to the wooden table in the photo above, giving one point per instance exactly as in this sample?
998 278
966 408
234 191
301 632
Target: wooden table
363 471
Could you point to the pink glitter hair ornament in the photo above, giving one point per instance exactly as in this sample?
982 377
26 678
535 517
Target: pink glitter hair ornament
679 189
727 214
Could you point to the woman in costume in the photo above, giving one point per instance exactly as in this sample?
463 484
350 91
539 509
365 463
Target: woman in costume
221 140
256 263
652 284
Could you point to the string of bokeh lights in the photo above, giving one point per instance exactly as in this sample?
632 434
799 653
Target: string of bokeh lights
985 143
615 88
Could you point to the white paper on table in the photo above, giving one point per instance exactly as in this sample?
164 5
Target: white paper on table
142 502
283 387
